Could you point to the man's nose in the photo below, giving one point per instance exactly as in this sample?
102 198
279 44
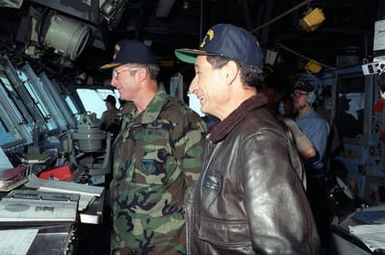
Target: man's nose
113 82
193 86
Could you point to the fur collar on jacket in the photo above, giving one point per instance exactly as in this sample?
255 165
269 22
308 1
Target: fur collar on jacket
221 129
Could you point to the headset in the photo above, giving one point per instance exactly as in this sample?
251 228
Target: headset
309 80
312 97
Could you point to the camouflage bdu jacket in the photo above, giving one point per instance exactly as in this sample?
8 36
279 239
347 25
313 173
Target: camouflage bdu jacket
158 155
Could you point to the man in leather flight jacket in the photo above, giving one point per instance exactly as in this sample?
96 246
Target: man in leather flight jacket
250 197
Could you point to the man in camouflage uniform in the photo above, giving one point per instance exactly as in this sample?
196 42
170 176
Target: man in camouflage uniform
158 155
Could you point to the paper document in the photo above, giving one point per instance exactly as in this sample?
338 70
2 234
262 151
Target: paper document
372 235
16 241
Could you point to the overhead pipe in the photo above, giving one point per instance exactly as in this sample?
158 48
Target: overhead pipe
282 15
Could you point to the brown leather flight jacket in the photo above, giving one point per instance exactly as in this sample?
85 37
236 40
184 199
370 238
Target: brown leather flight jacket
250 198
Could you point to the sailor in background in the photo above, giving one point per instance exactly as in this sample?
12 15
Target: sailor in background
109 115
317 130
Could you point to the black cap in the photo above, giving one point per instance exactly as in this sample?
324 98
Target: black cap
229 41
131 51
110 99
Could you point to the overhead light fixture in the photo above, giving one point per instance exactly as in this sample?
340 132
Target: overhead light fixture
42 30
313 66
312 19
67 36
112 11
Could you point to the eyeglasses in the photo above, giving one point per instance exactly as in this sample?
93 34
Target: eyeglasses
300 93
115 73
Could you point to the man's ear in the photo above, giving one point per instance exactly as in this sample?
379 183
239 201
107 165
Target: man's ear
231 69
142 74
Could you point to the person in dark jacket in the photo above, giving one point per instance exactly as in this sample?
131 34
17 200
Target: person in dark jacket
250 197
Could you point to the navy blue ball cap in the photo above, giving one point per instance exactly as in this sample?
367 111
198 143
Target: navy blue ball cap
228 41
110 99
131 51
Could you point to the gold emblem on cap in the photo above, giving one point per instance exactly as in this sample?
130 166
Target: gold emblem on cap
209 36
117 49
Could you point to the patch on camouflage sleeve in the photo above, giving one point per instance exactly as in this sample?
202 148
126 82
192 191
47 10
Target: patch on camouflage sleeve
149 166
